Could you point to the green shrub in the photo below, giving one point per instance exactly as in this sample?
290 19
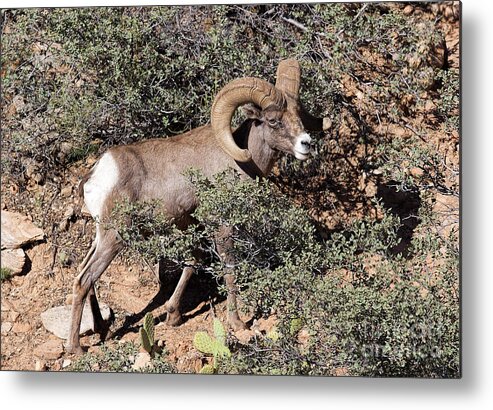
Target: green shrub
5 274
149 234
371 314
119 359
448 103
118 75
365 308
270 236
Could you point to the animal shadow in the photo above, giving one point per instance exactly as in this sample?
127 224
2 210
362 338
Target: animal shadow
201 288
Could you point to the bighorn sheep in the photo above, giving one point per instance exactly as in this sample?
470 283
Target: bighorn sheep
154 169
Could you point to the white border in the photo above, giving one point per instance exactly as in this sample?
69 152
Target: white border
79 391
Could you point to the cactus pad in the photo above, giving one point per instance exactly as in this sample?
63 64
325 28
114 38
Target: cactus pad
149 327
219 331
204 343
220 350
207 369
144 338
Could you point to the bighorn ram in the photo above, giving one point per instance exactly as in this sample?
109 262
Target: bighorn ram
154 169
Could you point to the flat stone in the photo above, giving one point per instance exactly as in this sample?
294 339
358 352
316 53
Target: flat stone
13 259
142 360
6 327
18 230
21 328
57 320
50 350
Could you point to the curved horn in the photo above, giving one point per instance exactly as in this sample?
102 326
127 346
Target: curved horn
288 77
234 94
289 81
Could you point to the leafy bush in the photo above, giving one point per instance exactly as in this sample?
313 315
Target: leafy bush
151 234
120 358
372 316
365 308
117 75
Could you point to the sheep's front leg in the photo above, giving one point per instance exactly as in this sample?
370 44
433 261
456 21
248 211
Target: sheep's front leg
224 244
174 317
233 318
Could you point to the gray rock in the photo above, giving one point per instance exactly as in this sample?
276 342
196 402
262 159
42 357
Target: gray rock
18 230
57 320
13 260
6 328
142 360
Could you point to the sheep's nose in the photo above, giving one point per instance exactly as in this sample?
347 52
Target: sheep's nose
306 143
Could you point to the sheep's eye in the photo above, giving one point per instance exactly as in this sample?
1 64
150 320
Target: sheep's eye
274 123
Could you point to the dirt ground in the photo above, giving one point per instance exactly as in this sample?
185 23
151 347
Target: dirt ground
128 288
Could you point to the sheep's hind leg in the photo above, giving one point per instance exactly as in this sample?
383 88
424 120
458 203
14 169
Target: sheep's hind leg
107 247
99 323
100 326
174 317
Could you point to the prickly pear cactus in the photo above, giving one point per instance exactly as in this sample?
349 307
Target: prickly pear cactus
149 327
220 350
212 346
207 369
144 339
203 343
219 331
147 333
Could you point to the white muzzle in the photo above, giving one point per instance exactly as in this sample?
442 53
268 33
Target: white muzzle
302 147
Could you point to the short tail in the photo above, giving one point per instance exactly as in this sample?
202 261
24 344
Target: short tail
83 182
80 190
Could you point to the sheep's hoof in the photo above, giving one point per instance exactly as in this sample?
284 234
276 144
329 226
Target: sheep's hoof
173 317
236 323
76 350
102 329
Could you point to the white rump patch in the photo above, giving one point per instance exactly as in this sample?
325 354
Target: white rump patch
100 185
302 146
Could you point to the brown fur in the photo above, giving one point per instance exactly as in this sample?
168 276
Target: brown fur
154 169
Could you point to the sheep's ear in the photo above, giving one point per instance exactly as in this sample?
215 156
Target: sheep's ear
252 111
